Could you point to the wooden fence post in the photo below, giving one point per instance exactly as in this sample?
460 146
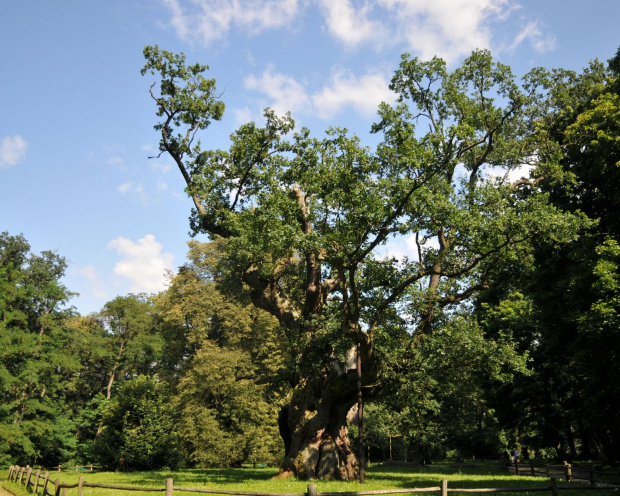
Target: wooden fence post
592 476
57 487
568 472
28 475
169 486
36 480
516 467
532 468
45 481
81 486
444 487
547 469
311 489
21 473
554 486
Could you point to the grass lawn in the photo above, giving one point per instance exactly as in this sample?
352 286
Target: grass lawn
474 475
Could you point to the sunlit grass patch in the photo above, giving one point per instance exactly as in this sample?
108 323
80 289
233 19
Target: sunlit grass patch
466 476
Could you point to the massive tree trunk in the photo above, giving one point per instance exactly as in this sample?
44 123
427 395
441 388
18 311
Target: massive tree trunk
314 428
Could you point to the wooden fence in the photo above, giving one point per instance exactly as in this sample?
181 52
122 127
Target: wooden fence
567 471
77 468
24 476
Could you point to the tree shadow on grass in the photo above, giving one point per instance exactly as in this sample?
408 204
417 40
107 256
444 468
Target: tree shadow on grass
204 477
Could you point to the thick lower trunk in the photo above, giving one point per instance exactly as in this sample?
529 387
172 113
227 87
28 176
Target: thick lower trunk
314 428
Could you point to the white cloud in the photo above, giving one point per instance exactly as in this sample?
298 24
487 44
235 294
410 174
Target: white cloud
116 161
406 246
244 115
349 25
162 185
364 93
12 150
144 264
135 190
284 92
532 32
90 273
510 176
208 20
447 28
161 167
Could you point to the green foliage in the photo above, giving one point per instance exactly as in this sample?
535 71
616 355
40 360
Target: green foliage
225 419
34 358
444 401
135 344
561 305
229 387
265 316
139 428
301 220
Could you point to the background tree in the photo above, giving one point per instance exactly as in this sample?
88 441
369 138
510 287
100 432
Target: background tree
300 221
562 304
35 425
443 403
136 345
229 377
139 428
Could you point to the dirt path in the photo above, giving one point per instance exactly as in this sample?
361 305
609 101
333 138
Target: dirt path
4 492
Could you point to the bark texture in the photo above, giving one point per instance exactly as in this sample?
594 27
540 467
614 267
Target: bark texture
313 426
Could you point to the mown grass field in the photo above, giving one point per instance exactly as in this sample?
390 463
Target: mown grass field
474 475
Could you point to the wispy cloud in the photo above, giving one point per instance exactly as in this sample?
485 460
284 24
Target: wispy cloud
205 21
363 93
350 25
284 92
134 190
12 150
447 28
143 265
116 162
533 32
89 272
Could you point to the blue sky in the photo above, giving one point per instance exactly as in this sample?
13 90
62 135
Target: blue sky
76 120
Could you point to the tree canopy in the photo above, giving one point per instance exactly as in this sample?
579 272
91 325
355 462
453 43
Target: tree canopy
300 221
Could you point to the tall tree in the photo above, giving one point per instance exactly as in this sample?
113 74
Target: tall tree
136 345
140 430
227 370
563 305
301 221
34 364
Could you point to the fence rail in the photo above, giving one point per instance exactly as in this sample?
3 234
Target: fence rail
568 471
24 476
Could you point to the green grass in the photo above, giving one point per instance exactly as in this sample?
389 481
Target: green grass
475 475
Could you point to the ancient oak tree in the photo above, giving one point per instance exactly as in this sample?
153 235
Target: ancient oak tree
302 222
